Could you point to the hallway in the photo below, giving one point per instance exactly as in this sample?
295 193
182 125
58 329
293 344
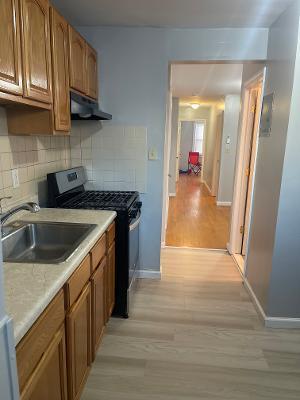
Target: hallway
194 218
195 335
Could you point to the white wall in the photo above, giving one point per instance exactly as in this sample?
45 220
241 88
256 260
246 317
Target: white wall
228 155
133 87
173 149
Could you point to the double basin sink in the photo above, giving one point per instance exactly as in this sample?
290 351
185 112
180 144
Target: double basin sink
42 242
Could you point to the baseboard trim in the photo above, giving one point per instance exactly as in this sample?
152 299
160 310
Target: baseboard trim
271 322
172 194
148 274
224 203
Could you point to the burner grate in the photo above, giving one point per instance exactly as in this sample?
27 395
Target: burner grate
102 199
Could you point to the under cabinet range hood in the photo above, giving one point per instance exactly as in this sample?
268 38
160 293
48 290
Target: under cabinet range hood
85 109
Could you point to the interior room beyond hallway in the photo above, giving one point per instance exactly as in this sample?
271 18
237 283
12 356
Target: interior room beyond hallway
194 218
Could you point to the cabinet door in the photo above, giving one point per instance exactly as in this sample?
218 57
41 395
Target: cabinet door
98 319
77 61
79 343
92 73
36 50
111 278
10 49
49 379
60 64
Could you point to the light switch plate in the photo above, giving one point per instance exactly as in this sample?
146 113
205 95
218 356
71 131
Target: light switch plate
153 155
15 178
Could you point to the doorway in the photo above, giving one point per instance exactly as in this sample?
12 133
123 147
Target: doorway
245 168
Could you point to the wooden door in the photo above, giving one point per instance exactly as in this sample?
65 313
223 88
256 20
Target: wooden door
10 49
92 73
77 61
98 304
250 154
36 50
60 64
49 379
111 278
79 343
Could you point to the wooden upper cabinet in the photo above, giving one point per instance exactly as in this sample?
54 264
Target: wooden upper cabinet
36 50
92 73
10 49
77 61
60 63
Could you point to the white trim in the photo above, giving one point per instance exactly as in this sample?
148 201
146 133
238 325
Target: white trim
148 274
172 194
206 185
224 203
223 251
240 262
271 322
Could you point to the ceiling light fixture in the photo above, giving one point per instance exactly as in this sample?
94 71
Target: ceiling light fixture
195 106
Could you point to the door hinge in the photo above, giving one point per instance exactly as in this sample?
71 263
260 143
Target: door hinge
242 229
247 171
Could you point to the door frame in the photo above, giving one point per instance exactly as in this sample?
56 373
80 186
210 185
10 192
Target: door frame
217 156
201 121
239 200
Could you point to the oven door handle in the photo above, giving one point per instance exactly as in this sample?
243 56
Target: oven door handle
135 223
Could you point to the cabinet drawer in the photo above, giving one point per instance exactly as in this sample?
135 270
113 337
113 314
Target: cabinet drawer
98 252
31 349
78 280
111 233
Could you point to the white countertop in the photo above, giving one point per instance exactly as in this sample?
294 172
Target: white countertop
29 288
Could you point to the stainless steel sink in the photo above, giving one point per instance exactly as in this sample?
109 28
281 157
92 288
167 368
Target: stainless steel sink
43 242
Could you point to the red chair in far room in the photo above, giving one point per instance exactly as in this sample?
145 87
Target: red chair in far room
194 163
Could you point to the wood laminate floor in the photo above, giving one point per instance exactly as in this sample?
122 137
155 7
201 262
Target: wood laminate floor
195 335
194 218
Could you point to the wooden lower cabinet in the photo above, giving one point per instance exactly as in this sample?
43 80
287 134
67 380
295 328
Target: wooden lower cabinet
111 261
79 343
98 306
49 380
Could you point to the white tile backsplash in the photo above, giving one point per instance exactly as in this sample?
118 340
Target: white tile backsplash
115 156
33 157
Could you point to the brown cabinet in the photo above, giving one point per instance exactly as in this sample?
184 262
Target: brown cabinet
49 380
77 61
79 343
10 49
92 72
98 318
36 50
111 279
60 67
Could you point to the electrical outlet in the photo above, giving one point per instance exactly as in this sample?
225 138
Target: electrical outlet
15 178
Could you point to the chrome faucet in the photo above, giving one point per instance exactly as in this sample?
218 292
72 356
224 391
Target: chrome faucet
32 207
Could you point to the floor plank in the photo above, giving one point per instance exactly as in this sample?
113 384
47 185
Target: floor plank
194 219
195 334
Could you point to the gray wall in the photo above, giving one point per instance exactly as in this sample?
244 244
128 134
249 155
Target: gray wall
284 293
173 149
133 87
283 38
186 143
230 129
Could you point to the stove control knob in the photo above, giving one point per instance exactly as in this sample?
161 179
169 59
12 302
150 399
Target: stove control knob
138 205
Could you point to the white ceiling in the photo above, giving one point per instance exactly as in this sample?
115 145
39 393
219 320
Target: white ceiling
173 13
206 81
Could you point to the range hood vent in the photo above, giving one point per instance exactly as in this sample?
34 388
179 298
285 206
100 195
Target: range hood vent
85 109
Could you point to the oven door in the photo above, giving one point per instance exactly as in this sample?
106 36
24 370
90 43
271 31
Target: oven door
134 247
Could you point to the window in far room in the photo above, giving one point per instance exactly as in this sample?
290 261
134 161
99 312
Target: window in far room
198 137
